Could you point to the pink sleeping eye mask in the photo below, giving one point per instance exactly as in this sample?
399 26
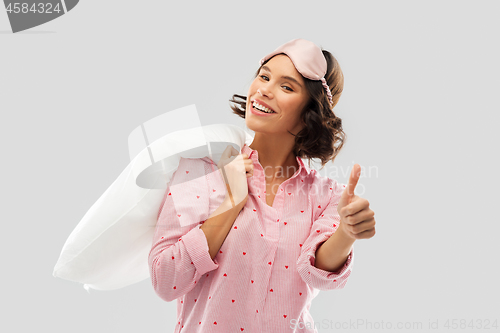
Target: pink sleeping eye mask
307 58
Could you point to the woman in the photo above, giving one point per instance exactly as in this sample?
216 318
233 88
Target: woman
248 248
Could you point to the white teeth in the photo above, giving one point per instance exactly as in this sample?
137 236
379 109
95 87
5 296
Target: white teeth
262 108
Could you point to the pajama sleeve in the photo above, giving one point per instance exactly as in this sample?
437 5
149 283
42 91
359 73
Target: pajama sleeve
179 255
322 228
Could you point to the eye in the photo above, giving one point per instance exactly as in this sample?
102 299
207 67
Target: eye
264 77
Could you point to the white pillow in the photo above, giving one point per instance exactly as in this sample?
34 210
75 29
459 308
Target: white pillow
109 248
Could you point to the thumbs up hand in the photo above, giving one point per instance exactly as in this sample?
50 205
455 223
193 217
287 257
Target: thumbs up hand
356 217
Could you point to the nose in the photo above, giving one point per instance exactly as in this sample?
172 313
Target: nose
263 91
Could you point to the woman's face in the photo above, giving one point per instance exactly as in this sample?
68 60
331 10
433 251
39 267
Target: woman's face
281 88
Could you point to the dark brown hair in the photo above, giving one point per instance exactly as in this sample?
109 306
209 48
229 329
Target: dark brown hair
322 136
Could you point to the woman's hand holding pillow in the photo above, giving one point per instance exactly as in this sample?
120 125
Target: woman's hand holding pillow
235 169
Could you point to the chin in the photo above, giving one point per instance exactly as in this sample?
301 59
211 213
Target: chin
251 125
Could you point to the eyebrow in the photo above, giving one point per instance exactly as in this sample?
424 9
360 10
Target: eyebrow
284 77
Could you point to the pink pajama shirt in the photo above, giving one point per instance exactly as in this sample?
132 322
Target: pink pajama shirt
263 278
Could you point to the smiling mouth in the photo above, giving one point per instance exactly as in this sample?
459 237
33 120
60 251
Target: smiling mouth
261 108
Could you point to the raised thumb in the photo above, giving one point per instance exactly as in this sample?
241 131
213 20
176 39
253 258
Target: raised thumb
348 193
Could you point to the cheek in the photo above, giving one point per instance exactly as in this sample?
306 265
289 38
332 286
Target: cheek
293 105
253 87
251 91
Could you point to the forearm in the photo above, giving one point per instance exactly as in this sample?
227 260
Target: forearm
333 253
218 225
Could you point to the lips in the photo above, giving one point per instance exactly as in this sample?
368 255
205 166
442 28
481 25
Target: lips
262 103
259 113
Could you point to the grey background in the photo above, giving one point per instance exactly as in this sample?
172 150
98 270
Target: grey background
420 105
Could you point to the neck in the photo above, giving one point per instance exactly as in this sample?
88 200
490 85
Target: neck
276 157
